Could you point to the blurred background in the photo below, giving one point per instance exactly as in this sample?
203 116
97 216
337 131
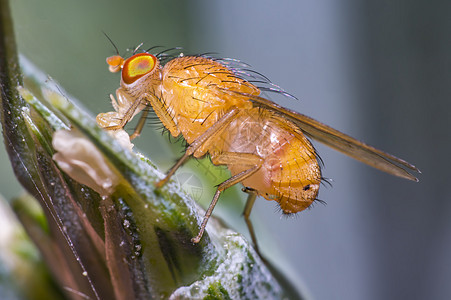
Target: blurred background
377 70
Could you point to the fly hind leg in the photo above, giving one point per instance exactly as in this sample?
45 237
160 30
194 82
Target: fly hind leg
252 195
253 161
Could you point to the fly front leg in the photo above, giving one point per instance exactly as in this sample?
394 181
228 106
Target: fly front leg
215 129
127 116
230 158
139 127
125 109
160 110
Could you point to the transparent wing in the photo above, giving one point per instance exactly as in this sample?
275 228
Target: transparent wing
337 140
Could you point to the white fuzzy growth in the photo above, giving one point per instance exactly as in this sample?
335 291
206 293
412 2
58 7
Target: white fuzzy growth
82 161
256 281
122 137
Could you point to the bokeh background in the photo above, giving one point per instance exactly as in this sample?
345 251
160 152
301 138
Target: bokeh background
377 70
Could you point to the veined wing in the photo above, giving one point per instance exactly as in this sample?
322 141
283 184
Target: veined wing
337 140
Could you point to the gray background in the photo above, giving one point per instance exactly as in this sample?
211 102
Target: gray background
378 70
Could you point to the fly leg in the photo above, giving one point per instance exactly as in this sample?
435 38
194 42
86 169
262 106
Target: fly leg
123 101
129 113
229 158
215 129
139 127
161 111
252 195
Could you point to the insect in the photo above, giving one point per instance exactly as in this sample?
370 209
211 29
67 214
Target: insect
220 113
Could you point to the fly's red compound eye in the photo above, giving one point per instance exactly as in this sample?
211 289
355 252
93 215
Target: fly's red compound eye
137 66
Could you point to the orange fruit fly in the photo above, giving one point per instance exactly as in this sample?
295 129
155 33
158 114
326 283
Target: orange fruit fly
220 113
